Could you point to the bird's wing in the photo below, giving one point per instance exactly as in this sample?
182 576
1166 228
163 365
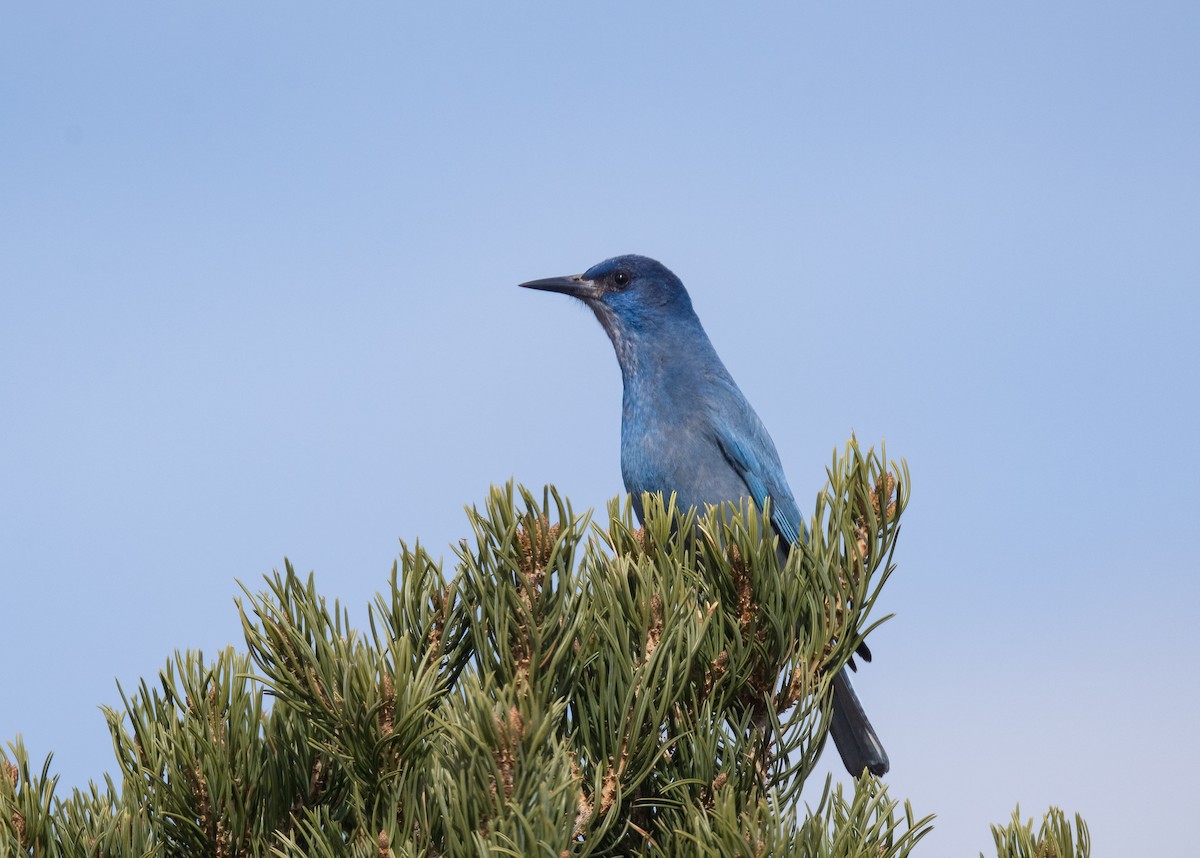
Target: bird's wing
764 478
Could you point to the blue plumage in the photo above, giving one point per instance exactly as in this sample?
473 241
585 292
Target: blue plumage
687 428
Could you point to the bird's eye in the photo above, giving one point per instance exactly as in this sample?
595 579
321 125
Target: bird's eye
621 278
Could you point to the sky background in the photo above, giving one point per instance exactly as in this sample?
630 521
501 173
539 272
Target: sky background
258 267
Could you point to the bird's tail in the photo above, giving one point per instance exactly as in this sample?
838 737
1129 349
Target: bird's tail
853 734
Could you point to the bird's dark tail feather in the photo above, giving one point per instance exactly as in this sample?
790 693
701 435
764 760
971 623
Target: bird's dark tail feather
852 732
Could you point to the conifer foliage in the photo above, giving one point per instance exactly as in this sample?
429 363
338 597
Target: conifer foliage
568 689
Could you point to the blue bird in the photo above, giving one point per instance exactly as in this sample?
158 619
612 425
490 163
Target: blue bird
686 428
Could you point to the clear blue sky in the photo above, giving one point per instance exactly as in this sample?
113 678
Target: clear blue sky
257 298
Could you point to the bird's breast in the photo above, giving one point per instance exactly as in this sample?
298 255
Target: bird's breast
675 453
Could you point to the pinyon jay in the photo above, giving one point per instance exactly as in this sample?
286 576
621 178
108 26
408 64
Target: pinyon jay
686 428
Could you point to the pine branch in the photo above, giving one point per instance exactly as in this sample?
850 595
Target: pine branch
567 689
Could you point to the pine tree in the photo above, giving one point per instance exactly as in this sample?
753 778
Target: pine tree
569 689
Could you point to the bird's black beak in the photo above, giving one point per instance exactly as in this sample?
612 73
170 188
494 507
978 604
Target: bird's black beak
574 285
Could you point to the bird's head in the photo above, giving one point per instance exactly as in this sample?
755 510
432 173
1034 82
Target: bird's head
630 295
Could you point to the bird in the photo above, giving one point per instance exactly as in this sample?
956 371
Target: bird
687 428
